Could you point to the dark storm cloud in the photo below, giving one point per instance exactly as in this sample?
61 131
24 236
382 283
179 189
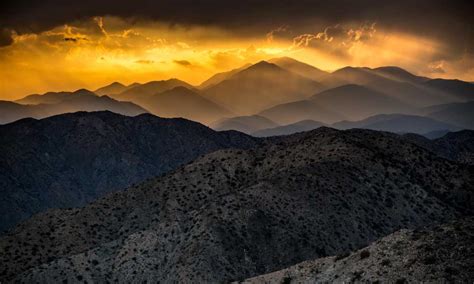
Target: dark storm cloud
451 20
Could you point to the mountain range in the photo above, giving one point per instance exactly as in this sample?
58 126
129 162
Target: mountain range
239 213
283 90
71 159
49 104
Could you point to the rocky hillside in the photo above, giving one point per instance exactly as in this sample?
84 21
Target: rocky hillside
443 254
69 160
456 146
234 214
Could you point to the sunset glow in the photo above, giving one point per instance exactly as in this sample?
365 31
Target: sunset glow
96 51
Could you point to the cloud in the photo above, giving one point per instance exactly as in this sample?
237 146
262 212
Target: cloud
246 17
184 63
271 34
337 40
144 61
437 67
5 37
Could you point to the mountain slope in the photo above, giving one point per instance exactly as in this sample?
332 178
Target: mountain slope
299 126
439 254
81 100
347 102
137 92
397 123
293 112
462 90
245 124
111 89
460 114
233 214
219 77
358 102
185 103
260 86
404 90
299 68
458 146
69 160
397 73
53 97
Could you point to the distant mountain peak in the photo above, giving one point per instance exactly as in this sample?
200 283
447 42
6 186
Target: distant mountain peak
116 84
179 89
83 92
264 65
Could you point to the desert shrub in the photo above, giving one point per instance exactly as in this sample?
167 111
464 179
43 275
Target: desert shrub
364 254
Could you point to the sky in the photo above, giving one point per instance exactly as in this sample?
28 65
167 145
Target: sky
55 45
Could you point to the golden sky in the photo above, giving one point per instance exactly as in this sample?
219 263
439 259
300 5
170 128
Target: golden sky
96 51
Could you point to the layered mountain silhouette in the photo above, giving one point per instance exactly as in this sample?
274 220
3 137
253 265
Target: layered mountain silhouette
50 104
398 123
299 68
141 91
460 114
185 103
347 102
401 86
219 77
463 90
114 89
434 254
69 160
53 97
235 214
287 91
260 86
301 126
246 124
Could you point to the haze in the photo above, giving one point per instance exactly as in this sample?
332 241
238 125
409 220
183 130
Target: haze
118 41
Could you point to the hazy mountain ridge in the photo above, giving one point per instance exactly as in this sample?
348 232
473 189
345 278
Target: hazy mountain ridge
64 102
260 86
245 124
183 102
280 88
299 68
114 88
301 126
53 97
398 123
71 159
233 214
142 91
219 77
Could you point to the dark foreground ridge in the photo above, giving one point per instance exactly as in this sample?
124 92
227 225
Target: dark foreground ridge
71 159
235 214
443 254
